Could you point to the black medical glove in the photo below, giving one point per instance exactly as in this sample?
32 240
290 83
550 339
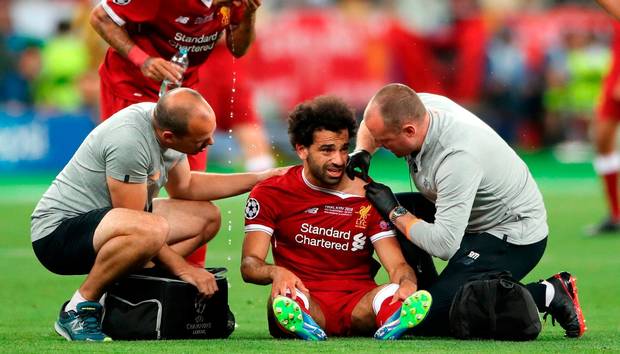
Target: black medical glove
359 159
382 198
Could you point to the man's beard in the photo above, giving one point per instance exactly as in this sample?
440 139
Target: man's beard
320 174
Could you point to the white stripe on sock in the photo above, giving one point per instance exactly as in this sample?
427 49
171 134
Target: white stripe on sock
383 294
606 164
302 296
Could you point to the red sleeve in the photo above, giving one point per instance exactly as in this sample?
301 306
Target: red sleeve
123 11
261 210
379 228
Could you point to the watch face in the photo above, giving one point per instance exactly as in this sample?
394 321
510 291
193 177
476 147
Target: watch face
398 212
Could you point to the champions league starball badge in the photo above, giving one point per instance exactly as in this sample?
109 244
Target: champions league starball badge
121 2
251 208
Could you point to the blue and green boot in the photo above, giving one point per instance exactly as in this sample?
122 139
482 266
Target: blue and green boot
292 319
411 313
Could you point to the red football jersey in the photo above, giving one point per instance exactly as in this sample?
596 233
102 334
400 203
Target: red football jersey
319 234
160 28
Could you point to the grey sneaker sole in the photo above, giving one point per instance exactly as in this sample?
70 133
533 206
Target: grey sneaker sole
62 331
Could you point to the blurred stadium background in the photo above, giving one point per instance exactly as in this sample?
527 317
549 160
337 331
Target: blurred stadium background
532 69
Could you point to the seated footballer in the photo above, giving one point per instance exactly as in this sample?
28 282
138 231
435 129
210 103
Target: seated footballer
323 232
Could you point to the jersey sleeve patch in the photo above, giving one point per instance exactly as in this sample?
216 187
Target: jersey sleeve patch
252 208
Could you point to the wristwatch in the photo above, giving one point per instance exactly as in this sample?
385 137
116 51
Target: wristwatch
397 213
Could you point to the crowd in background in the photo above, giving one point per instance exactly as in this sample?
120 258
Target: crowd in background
532 69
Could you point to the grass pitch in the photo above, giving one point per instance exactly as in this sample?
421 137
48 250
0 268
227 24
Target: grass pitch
30 296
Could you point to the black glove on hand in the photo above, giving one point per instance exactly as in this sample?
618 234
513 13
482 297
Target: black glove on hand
382 198
358 159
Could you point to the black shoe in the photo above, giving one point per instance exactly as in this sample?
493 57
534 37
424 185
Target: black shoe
565 307
607 226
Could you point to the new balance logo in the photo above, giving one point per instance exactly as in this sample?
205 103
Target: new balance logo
182 19
473 255
312 210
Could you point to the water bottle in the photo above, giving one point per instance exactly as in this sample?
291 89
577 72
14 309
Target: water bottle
180 59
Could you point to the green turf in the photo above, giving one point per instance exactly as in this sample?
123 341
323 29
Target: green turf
30 296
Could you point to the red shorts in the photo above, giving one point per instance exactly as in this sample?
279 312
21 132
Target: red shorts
337 305
609 108
110 104
215 84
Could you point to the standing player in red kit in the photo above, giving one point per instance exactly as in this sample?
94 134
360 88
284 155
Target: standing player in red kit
144 34
323 231
607 161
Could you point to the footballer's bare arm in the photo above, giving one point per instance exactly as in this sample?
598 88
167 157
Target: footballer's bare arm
611 6
239 39
399 272
117 37
112 33
255 270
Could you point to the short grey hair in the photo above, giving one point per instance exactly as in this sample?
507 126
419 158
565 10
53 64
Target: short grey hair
398 104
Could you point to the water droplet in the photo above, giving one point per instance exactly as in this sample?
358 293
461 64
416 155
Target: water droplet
234 89
229 228
229 162
229 148
229 212
229 258
229 242
229 285
230 131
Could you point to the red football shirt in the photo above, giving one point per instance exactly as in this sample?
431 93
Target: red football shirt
160 28
319 234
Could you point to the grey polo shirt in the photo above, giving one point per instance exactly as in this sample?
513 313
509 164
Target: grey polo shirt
125 148
477 182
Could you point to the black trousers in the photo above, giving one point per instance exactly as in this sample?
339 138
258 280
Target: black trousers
478 253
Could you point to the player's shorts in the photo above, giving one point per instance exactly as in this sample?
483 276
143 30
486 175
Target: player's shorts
198 162
69 249
609 108
111 103
337 305
215 84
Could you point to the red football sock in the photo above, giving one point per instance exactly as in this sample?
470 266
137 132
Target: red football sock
386 310
611 192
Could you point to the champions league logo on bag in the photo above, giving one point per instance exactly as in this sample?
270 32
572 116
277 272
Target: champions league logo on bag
251 209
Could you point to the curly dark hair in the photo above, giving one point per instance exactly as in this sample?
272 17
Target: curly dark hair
323 112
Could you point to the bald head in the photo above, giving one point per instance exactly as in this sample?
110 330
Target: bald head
177 107
397 104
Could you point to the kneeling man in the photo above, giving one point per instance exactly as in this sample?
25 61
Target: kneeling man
101 217
323 232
